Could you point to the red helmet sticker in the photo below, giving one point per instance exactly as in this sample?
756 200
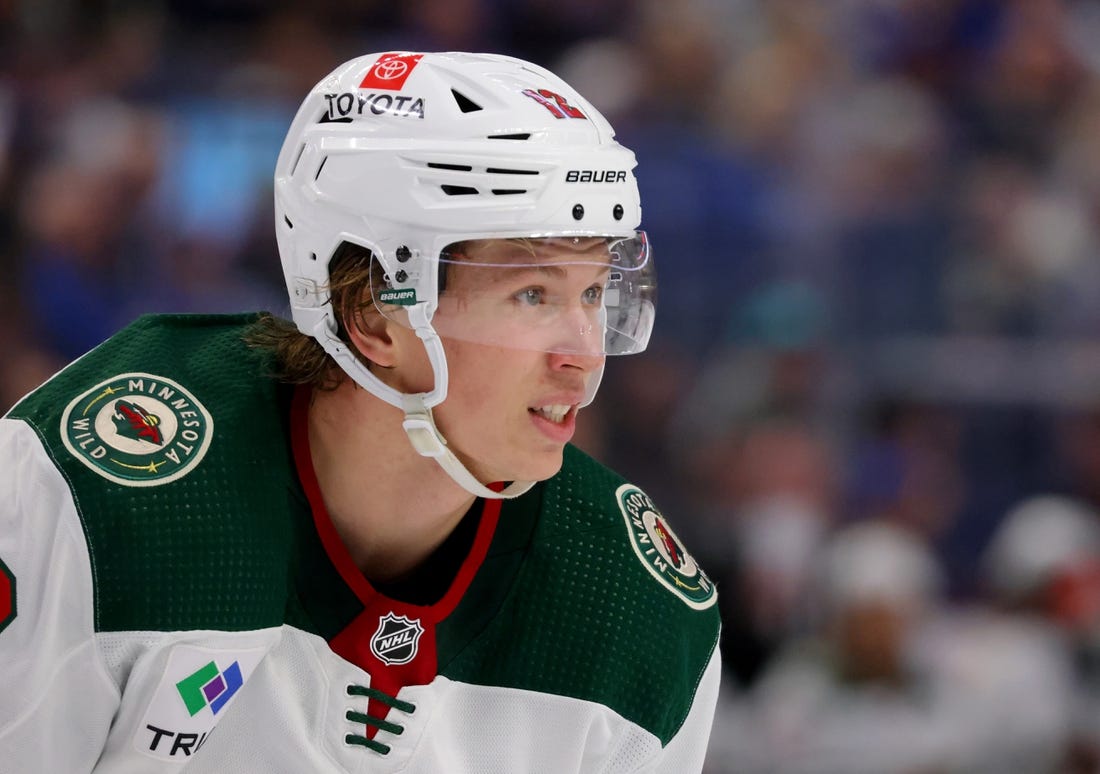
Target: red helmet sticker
390 71
555 103
7 596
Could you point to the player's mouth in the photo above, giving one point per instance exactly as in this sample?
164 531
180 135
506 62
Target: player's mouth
557 421
555 413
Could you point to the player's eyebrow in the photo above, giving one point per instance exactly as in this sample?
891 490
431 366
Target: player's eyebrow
556 270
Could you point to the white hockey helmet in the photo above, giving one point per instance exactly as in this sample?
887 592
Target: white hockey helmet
409 154
1040 537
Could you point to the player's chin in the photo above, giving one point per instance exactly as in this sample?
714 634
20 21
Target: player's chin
525 465
536 466
548 465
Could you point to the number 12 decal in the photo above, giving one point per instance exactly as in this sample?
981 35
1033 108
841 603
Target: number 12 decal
555 103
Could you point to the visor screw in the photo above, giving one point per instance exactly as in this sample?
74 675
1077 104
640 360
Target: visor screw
401 275
578 211
403 253
617 212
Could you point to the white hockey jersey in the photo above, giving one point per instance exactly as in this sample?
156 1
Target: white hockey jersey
173 597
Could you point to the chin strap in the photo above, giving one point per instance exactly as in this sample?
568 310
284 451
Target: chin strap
429 442
418 423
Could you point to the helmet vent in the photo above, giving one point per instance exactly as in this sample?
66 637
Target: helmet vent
458 190
519 136
509 191
499 171
455 167
297 158
465 104
320 167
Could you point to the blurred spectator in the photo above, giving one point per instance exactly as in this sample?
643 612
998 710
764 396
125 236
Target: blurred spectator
766 573
850 695
1043 565
1006 687
766 501
86 251
1076 452
891 680
905 468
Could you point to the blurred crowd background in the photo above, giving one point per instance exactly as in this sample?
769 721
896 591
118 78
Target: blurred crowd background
872 404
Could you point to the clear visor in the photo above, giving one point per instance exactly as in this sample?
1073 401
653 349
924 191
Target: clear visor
569 295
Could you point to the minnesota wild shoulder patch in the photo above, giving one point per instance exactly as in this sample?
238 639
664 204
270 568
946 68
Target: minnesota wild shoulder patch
662 553
137 429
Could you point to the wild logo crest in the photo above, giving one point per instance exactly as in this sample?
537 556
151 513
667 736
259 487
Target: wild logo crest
132 421
662 553
137 429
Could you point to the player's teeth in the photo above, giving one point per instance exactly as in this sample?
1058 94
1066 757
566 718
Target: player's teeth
554 413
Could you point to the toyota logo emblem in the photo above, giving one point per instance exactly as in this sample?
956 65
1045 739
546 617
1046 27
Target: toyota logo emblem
391 69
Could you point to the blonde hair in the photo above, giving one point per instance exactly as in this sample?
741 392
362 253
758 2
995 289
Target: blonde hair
297 358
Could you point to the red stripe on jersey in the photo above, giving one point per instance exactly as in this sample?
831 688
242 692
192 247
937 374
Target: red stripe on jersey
354 642
330 538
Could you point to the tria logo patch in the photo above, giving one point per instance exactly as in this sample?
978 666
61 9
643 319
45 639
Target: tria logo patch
390 71
7 596
396 640
137 429
210 687
662 553
191 697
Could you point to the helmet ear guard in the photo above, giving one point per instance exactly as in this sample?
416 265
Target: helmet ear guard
405 153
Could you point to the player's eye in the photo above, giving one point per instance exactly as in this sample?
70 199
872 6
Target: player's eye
592 295
530 296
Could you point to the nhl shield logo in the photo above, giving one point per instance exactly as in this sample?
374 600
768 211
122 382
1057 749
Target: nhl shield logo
396 640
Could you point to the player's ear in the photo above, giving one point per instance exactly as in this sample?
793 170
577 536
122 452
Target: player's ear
371 333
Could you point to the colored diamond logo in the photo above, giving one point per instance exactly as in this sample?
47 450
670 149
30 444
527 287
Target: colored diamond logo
208 687
193 694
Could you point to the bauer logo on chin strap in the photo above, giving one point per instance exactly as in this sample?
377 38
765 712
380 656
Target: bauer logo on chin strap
662 553
398 296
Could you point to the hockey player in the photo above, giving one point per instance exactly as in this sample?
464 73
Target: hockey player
360 540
